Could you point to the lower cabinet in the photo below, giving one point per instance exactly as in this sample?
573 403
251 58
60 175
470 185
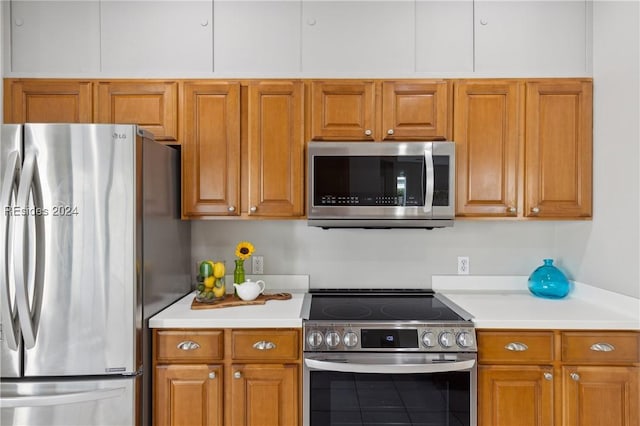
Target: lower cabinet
568 378
227 377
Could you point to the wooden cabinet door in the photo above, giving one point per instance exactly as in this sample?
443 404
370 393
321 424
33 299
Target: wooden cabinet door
558 149
152 105
595 396
48 101
264 395
211 149
515 395
342 110
414 110
488 119
276 147
188 395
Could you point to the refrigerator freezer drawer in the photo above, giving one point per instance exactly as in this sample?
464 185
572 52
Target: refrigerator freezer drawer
69 403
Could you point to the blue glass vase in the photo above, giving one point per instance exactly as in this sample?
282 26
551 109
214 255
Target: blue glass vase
548 281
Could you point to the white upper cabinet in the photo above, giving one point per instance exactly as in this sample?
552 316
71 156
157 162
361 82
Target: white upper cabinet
172 37
444 36
343 38
536 38
256 37
54 37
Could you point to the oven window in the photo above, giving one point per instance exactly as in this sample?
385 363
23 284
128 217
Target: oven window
436 399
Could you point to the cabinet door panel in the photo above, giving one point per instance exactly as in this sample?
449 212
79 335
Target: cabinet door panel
487 123
188 395
510 37
257 36
55 36
558 149
342 110
414 110
518 395
211 149
48 101
264 395
159 37
596 396
152 105
345 37
276 140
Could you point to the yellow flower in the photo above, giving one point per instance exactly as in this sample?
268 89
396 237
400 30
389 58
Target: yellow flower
244 250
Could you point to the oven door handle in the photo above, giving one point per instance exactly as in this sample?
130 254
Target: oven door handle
348 367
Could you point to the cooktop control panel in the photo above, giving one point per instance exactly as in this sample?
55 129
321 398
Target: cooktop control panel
320 337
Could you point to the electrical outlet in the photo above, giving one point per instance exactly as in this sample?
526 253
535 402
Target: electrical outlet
257 264
463 265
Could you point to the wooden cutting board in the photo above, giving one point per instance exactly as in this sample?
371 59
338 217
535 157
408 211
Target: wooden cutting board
233 300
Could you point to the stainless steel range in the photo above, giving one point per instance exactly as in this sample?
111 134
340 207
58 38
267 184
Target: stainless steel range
382 357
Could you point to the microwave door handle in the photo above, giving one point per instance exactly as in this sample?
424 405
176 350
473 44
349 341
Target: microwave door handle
28 321
428 188
347 367
11 327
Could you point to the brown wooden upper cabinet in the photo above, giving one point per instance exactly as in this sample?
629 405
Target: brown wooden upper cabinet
151 104
368 110
415 110
211 149
523 148
276 149
342 110
47 101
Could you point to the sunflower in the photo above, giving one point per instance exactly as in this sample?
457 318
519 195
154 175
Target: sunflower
244 250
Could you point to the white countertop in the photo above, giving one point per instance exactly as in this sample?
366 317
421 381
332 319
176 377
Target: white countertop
274 313
505 302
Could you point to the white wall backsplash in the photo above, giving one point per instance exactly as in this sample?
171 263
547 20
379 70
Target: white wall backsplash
380 258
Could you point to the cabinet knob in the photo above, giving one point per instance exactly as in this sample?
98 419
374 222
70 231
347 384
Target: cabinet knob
535 210
212 375
188 345
253 209
516 347
390 132
368 132
263 345
575 377
204 23
548 376
19 22
511 209
237 375
602 347
231 209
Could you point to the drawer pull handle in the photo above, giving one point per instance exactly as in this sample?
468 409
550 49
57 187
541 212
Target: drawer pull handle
548 376
264 345
602 347
188 345
516 347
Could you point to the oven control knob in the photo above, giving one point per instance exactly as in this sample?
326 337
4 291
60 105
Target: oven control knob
428 339
350 339
465 339
314 339
447 339
333 339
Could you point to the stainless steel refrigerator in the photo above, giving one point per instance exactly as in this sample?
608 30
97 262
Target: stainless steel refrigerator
91 246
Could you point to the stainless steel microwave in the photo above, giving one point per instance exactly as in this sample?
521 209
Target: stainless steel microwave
381 184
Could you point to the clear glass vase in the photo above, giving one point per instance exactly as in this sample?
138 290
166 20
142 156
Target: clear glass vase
548 281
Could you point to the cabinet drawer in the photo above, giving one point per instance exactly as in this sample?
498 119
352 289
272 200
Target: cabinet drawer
189 345
601 347
500 347
264 345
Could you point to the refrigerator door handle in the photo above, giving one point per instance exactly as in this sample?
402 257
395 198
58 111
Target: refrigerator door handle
11 327
28 315
59 399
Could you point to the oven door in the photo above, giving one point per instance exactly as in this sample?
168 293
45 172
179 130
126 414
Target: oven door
343 389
